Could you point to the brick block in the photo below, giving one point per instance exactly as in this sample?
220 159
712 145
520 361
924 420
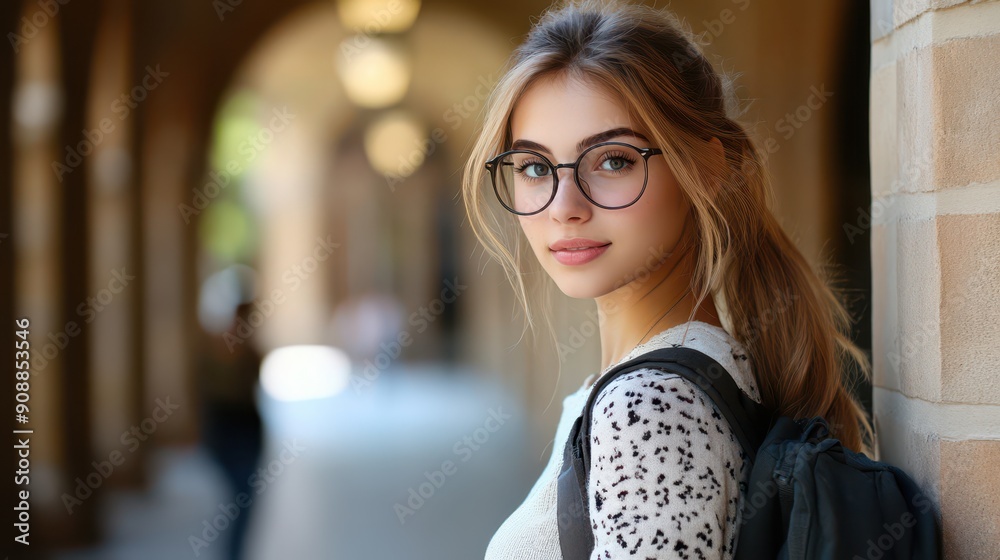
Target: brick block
967 92
969 249
949 96
882 116
970 502
915 353
906 10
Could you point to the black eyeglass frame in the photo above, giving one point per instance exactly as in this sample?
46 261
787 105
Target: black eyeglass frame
646 153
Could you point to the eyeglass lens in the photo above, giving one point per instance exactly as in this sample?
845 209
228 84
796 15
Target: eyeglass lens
611 175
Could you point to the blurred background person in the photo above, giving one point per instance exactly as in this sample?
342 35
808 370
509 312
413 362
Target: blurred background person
229 368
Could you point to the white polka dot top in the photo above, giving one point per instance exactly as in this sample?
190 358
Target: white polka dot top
667 477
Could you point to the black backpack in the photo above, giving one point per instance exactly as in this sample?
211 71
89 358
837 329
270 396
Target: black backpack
808 497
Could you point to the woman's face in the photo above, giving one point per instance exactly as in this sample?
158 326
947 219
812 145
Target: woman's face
553 116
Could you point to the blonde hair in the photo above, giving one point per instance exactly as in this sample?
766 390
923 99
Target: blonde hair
789 319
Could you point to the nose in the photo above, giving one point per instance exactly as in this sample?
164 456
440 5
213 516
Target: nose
569 202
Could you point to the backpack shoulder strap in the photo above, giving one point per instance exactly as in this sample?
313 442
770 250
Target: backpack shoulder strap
748 419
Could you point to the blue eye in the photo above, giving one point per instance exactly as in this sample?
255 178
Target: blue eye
616 162
533 170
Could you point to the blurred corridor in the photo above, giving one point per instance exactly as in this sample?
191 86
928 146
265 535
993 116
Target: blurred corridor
168 163
352 476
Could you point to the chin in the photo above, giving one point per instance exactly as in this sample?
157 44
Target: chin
579 294
581 287
579 282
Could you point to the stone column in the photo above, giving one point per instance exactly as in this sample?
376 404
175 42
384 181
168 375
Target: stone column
935 162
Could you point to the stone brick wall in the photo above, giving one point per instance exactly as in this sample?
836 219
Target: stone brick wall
935 154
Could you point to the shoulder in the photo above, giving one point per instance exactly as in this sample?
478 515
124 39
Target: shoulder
650 402
627 386
665 469
643 382
645 395
714 342
632 399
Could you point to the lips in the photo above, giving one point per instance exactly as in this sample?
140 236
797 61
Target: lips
577 251
576 243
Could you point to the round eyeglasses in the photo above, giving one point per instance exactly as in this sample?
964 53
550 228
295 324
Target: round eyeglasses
608 174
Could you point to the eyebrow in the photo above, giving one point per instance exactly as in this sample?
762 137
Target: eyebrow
588 141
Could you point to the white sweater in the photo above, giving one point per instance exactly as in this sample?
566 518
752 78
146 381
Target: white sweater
667 477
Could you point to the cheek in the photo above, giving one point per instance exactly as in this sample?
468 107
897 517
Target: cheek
660 211
663 196
530 229
525 226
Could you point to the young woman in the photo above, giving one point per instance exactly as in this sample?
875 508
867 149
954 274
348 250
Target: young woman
607 152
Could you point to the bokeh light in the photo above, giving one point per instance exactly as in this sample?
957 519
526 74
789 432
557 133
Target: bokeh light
378 16
303 372
375 72
394 143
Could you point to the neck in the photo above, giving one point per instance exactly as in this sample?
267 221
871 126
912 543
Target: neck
636 312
